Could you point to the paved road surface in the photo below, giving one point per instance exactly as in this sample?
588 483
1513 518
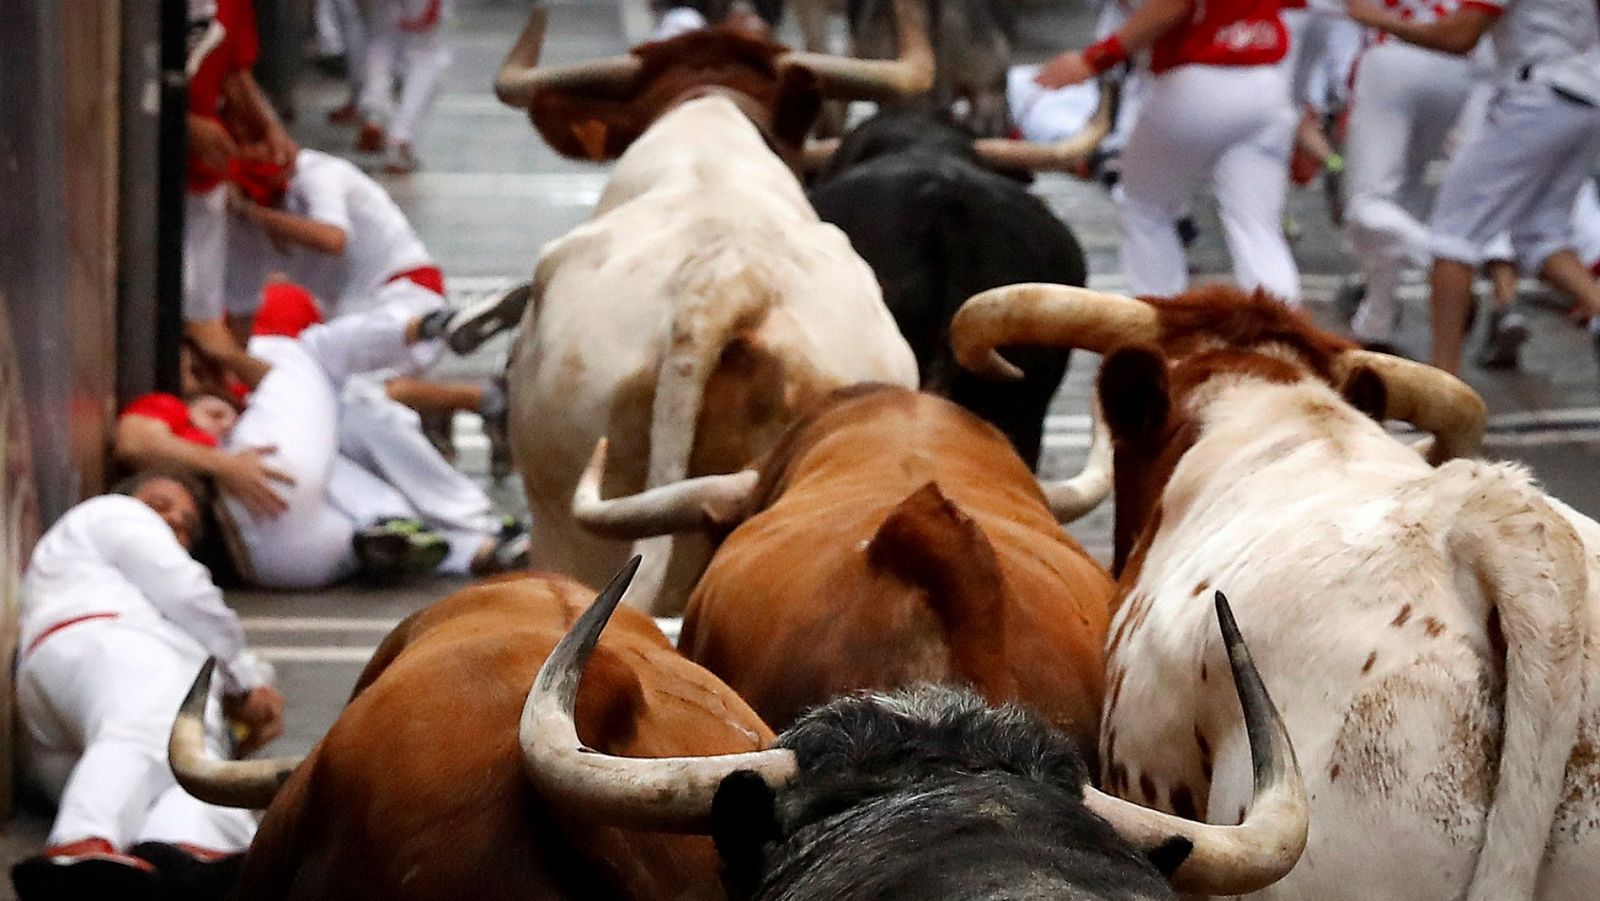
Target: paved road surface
491 193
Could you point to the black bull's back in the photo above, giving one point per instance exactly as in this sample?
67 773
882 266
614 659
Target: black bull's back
936 228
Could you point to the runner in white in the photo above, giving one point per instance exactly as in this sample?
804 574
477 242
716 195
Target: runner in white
1217 110
411 36
342 31
1521 171
116 619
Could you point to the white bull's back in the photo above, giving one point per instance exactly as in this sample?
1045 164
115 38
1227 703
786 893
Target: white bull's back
1337 559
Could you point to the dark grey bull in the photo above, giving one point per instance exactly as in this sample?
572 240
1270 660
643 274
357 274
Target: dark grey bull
971 48
919 795
911 190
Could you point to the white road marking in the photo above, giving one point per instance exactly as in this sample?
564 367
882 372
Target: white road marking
319 654
317 624
564 189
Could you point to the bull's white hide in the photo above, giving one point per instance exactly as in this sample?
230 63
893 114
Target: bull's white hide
701 234
1363 581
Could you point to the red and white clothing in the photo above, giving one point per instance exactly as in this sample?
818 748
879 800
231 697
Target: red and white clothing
411 36
1521 170
205 224
116 620
1217 109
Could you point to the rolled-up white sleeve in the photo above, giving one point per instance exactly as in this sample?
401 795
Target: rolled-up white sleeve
182 591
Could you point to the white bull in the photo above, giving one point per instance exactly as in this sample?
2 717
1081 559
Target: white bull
701 309
1433 630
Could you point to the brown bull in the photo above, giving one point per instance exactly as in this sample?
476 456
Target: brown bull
892 537
418 792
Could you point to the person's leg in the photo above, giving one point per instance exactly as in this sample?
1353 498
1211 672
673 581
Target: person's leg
377 81
353 28
427 56
1250 179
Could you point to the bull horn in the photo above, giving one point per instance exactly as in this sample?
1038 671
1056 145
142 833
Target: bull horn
691 505
909 74
1058 315
668 794
1071 499
250 784
1231 860
521 76
1430 399
1063 156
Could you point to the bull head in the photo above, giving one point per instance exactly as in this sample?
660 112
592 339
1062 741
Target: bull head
676 794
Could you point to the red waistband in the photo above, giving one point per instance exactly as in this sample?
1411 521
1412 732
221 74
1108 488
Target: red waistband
429 277
63 624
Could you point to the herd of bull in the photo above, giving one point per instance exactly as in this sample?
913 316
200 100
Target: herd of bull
969 705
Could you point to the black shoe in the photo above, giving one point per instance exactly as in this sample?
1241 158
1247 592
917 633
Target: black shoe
88 870
1188 231
510 552
439 429
192 874
1347 300
394 548
1507 331
475 324
496 428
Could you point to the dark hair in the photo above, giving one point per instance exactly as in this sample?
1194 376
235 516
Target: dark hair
197 490
218 393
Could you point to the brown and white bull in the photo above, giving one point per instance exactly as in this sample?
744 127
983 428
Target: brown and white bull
1430 630
890 538
417 792
704 305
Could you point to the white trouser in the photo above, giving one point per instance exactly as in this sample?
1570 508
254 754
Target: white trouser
1518 174
340 29
1322 48
385 438
1586 226
96 702
422 58
396 302
1232 124
295 410
205 253
1406 102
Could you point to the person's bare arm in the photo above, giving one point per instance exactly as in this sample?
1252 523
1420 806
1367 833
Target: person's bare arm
251 115
216 342
1456 33
142 441
292 229
1151 20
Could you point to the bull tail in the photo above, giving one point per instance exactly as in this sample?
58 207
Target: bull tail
1530 565
927 541
712 311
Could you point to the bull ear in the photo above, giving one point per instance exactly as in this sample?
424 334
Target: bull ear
1365 391
1133 394
744 820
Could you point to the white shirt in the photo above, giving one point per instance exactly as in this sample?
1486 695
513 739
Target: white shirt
379 241
114 554
1559 39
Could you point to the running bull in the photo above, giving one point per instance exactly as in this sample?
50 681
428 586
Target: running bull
417 793
890 538
704 305
1434 629
918 795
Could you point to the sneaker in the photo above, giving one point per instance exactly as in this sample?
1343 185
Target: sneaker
474 324
439 429
1507 331
401 159
86 870
509 553
371 139
394 548
191 873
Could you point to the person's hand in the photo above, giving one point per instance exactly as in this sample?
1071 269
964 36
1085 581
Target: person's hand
245 476
281 148
210 143
1366 12
1064 69
239 205
260 711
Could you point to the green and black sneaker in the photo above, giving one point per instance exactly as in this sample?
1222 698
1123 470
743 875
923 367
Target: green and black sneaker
395 548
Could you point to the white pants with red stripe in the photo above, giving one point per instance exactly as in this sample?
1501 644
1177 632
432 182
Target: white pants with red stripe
420 58
96 702
1406 103
295 410
1231 126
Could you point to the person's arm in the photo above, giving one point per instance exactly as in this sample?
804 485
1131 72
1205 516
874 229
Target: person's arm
213 339
251 115
210 143
1149 22
143 441
322 237
1456 33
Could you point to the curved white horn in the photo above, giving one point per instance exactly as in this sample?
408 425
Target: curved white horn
251 784
1231 860
1073 498
669 794
1048 315
521 76
1430 399
909 74
691 505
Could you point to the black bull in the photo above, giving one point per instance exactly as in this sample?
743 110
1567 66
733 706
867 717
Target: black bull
937 227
